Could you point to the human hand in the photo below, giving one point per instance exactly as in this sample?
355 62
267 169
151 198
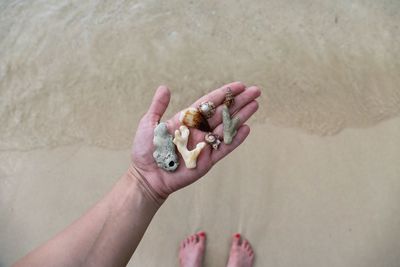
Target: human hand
165 183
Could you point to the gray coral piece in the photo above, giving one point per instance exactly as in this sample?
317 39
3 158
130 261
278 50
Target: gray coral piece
230 125
164 153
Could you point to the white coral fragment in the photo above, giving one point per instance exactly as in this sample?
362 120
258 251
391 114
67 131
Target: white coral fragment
181 140
164 150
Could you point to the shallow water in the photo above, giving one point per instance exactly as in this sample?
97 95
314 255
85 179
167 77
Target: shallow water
84 71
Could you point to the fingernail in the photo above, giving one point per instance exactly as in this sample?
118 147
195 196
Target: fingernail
202 234
237 235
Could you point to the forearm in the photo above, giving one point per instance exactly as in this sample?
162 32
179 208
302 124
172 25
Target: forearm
108 234
134 205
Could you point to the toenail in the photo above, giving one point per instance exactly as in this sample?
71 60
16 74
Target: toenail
237 235
202 234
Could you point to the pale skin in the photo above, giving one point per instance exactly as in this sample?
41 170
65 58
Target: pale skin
108 234
191 251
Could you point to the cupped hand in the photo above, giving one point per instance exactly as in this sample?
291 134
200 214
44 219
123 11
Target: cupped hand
165 183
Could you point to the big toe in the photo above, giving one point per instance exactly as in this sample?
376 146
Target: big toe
237 240
201 238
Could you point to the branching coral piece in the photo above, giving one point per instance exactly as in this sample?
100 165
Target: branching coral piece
181 140
230 125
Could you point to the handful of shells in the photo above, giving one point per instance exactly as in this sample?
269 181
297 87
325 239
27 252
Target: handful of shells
194 118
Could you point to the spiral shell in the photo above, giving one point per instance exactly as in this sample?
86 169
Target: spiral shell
229 98
213 140
191 117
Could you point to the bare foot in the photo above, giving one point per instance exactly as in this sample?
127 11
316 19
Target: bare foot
241 254
191 251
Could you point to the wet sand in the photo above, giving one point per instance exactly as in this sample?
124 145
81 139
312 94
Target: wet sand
302 200
317 182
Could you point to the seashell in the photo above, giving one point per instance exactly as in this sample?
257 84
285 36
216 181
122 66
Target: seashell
181 140
164 153
213 140
207 109
192 117
229 98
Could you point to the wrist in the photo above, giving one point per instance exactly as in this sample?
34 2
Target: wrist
143 184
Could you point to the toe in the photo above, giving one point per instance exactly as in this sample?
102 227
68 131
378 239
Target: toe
202 236
249 248
202 240
236 240
193 239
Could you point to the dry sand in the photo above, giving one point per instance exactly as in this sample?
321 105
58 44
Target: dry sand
316 184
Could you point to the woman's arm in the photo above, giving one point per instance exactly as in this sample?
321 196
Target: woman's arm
108 234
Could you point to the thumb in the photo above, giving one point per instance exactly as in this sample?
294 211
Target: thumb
159 103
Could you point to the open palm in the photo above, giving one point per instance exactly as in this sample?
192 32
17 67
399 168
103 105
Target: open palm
163 182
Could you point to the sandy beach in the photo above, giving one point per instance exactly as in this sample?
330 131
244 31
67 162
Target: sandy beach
317 183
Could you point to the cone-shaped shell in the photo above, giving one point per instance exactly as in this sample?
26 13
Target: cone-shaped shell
229 98
191 117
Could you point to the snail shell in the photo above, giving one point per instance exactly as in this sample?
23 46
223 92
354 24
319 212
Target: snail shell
191 117
213 140
207 109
